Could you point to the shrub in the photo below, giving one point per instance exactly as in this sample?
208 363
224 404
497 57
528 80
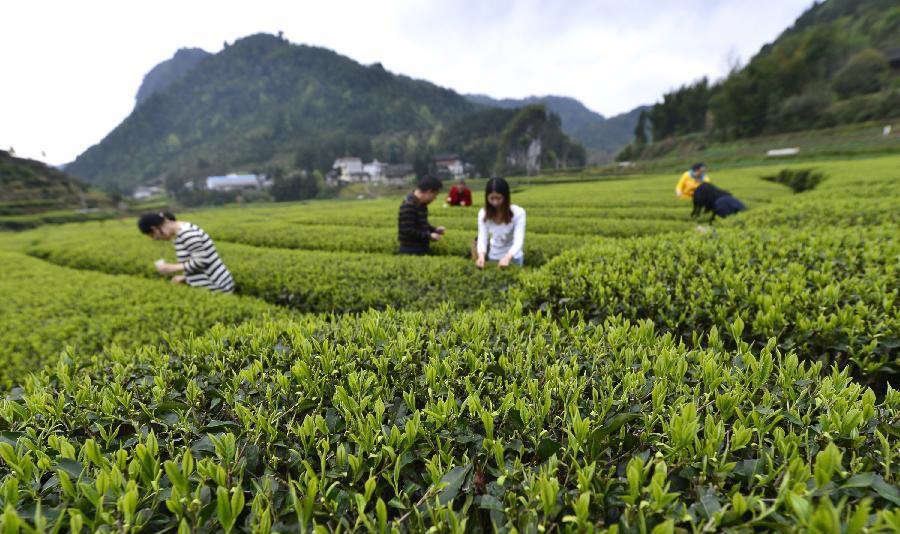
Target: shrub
309 281
863 73
46 309
480 421
801 111
797 179
829 293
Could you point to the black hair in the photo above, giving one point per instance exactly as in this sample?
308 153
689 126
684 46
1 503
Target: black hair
149 221
503 214
697 166
429 184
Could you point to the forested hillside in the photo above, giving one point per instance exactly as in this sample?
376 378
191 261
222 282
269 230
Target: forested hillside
265 102
602 137
168 72
838 64
28 186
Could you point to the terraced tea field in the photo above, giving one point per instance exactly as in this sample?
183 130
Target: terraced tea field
636 376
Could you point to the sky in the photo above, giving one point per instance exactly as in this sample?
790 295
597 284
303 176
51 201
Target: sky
71 69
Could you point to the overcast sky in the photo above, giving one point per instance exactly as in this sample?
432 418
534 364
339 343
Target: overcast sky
71 69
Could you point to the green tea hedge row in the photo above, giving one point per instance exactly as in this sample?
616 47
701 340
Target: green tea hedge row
829 293
818 210
45 308
25 222
448 422
539 248
638 193
310 281
466 226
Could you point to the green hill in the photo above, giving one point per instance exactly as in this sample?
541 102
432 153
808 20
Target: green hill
602 137
32 194
264 101
28 186
839 63
168 72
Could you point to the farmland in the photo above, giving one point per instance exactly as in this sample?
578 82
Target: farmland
638 375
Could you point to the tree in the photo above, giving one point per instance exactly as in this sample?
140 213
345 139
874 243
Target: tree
863 73
423 163
682 111
640 129
173 183
298 185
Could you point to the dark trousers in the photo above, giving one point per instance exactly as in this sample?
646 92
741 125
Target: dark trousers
729 205
412 251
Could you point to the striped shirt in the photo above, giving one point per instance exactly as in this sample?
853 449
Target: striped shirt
412 224
202 265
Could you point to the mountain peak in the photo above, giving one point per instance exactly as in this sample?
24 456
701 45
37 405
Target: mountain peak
169 71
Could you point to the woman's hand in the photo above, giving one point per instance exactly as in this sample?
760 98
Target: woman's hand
179 279
168 268
480 261
504 261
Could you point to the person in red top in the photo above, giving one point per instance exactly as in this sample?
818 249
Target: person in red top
460 195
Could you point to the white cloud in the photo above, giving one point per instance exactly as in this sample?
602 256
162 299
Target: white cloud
72 68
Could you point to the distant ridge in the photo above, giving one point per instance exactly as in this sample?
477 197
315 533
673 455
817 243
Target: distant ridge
166 73
602 137
264 102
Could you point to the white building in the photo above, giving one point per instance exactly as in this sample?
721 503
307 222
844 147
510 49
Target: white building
450 164
375 170
143 192
348 165
456 168
231 182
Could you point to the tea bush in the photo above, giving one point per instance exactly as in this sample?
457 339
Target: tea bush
829 293
33 220
673 383
539 248
814 210
448 422
44 309
309 281
797 179
464 227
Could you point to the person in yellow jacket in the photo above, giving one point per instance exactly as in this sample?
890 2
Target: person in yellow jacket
690 180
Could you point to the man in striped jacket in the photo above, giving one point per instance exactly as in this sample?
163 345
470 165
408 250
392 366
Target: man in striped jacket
414 232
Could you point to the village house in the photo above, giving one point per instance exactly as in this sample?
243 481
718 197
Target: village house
145 192
348 165
352 170
399 174
232 182
375 170
450 166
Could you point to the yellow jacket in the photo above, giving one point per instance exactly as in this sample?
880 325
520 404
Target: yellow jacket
687 184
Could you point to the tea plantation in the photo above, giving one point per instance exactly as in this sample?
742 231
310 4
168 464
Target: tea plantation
639 375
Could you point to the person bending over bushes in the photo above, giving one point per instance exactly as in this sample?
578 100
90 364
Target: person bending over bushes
195 250
501 227
712 199
690 180
414 232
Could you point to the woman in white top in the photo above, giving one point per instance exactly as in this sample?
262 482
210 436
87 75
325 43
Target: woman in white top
503 224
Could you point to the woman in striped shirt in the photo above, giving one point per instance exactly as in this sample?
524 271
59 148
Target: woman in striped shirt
196 253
